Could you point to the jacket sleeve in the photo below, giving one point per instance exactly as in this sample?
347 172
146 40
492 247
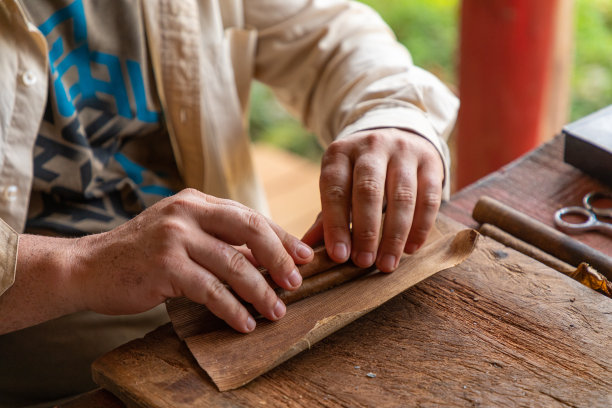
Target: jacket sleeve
9 240
23 92
338 67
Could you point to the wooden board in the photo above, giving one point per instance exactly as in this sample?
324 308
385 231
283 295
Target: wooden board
500 329
538 185
220 351
94 399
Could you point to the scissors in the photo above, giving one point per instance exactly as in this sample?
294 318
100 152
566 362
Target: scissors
591 213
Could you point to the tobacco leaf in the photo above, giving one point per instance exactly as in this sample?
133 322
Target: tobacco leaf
220 351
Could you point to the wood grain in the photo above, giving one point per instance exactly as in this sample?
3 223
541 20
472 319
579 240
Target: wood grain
222 352
498 330
536 253
94 399
538 185
540 235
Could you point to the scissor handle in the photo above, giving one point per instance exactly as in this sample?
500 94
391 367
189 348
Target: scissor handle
589 198
575 227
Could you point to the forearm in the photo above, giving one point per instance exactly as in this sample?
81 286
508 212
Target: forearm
351 70
43 289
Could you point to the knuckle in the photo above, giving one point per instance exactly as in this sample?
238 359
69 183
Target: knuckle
280 260
188 192
337 229
178 206
403 144
334 194
172 226
268 297
255 222
336 148
333 153
215 291
366 235
368 188
429 152
374 140
431 200
404 195
236 312
395 239
236 264
420 233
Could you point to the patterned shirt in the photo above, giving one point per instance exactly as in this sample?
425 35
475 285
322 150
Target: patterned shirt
102 154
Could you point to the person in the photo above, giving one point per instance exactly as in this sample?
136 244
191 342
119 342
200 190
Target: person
126 171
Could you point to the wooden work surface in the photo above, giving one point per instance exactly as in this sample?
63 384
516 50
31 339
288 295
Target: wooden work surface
498 330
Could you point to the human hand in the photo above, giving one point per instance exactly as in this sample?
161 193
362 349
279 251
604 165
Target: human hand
185 246
358 174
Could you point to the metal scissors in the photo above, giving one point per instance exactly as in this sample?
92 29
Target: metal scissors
591 213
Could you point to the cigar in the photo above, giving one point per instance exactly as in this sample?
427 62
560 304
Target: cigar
540 235
323 281
190 318
584 273
531 251
320 263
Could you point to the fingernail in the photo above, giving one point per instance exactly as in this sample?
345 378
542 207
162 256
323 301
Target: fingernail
250 324
340 251
411 248
303 251
295 279
365 259
279 309
387 263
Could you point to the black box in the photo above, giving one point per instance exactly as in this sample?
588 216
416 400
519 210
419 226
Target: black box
588 144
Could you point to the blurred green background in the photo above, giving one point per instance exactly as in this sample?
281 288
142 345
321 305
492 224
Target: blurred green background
429 29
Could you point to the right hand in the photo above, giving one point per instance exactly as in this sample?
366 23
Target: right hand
185 246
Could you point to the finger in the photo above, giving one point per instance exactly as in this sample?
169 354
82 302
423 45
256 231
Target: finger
235 225
368 193
298 250
335 189
314 235
232 267
201 286
429 196
244 250
401 194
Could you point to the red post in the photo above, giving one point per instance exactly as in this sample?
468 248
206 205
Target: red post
505 57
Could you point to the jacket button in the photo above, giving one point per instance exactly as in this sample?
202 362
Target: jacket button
9 194
28 78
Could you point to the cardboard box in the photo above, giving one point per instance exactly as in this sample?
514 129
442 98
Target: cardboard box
588 144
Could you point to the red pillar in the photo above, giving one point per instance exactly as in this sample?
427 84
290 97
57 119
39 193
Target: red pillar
505 56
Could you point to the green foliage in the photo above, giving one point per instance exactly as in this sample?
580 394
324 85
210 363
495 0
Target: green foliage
270 123
429 29
592 75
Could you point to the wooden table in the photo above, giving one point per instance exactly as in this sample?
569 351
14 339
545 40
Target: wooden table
500 329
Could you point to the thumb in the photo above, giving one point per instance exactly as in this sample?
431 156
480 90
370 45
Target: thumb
314 235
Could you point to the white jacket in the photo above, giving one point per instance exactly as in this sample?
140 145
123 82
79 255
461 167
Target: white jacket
333 63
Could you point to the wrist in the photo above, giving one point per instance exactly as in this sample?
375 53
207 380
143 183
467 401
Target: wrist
49 261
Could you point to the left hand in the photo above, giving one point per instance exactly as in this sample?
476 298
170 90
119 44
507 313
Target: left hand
358 174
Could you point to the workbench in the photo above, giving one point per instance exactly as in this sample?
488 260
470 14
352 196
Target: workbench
500 329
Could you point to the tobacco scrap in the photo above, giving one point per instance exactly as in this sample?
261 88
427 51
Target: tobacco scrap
588 276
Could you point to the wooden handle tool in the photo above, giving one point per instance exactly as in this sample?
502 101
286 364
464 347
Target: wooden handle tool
534 232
